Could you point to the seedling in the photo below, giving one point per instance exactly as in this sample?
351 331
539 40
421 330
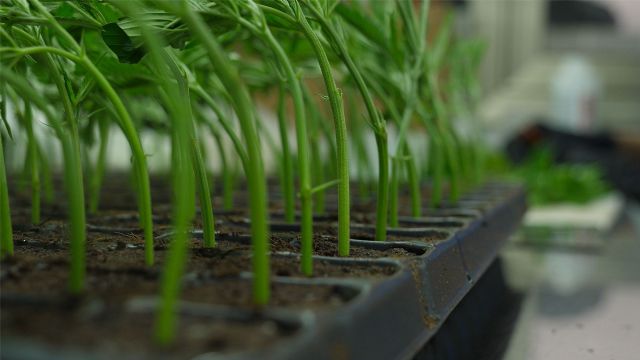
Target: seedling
203 66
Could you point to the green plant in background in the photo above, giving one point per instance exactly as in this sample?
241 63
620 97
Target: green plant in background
400 41
254 170
257 24
32 161
548 182
333 29
185 156
72 177
31 46
97 175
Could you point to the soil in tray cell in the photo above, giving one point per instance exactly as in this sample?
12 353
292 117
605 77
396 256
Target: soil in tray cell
35 307
43 282
112 332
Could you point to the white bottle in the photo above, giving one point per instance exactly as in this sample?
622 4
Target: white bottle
575 90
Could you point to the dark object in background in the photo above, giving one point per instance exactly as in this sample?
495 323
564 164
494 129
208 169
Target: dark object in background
620 166
578 12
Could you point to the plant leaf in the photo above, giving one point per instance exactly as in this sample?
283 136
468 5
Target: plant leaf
121 44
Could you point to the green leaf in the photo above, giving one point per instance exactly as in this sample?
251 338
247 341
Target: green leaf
357 18
3 113
64 11
108 13
120 43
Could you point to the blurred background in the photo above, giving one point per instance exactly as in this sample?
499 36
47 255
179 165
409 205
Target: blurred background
572 69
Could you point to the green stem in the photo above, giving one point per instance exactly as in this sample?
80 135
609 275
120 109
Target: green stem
414 183
254 171
183 110
183 207
126 124
98 173
318 131
437 162
379 127
33 161
138 155
72 176
6 230
453 159
324 186
227 172
74 183
224 121
288 191
304 168
44 170
318 178
449 152
335 98
361 160
393 193
206 207
186 160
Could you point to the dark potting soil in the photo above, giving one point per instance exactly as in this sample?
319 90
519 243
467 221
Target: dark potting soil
39 280
116 333
36 306
228 259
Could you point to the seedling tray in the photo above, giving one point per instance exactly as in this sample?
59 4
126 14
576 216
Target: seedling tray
377 317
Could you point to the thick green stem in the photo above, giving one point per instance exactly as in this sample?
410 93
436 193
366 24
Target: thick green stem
226 125
414 183
437 163
288 190
254 170
6 230
206 207
126 124
226 170
335 98
46 181
183 211
449 154
74 183
304 167
362 163
317 129
318 178
436 155
393 193
72 174
98 174
138 155
402 149
182 110
377 124
186 160
33 161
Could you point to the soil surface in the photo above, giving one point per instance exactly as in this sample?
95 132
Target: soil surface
117 332
36 305
105 318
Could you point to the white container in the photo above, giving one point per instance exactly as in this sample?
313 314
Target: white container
575 91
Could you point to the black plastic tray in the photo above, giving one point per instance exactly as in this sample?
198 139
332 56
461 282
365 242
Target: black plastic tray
388 318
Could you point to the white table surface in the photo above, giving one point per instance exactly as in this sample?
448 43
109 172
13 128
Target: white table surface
581 303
